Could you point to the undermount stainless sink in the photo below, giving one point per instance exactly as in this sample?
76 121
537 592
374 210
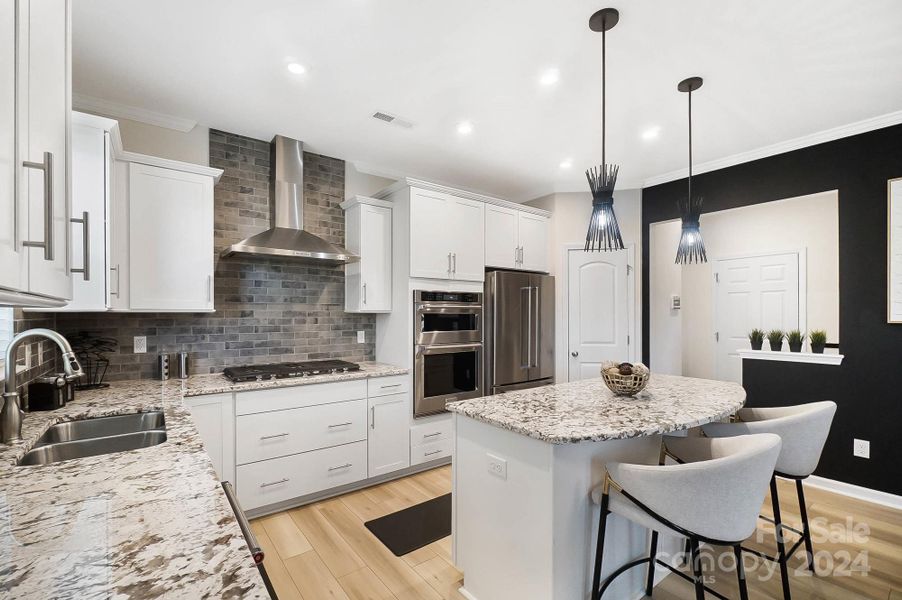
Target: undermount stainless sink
92 437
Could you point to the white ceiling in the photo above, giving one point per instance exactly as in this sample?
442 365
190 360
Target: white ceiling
774 70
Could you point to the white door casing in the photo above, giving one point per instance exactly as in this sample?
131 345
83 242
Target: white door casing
761 292
599 317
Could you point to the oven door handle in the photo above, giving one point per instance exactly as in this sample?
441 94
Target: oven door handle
466 308
251 539
446 348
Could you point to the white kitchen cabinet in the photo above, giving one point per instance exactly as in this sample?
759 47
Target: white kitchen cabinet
447 236
502 241
10 256
533 234
368 233
170 239
388 439
214 418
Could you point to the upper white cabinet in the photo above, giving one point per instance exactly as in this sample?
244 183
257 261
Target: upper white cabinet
35 100
170 233
368 233
533 233
447 236
515 239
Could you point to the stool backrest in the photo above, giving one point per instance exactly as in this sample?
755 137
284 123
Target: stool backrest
803 428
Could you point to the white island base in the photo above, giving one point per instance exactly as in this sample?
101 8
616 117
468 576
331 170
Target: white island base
530 533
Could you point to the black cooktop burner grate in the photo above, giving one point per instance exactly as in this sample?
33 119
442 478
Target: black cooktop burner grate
288 369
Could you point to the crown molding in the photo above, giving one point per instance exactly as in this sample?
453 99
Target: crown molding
134 113
423 184
828 135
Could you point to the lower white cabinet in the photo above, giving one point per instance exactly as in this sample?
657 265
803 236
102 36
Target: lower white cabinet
280 479
431 440
387 440
214 418
429 452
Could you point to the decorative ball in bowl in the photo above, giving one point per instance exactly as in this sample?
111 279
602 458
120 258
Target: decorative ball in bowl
625 379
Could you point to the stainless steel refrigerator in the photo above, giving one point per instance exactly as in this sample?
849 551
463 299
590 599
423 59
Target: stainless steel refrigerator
519 331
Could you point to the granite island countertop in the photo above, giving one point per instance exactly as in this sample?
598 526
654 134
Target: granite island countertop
147 523
588 411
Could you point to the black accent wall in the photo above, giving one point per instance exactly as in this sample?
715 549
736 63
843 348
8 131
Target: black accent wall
868 385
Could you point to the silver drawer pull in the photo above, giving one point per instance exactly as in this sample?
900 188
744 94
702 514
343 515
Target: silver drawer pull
277 435
394 385
433 452
429 435
263 485
47 168
340 467
85 246
341 424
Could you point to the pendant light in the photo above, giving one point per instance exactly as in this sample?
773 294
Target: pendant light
604 232
692 246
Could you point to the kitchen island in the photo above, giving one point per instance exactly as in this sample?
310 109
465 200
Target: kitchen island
525 463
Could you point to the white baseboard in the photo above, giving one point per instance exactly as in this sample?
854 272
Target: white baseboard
463 592
856 491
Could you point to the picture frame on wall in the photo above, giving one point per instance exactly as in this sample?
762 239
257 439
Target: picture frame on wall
894 251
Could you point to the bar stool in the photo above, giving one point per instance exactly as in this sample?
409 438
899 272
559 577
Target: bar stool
713 498
803 429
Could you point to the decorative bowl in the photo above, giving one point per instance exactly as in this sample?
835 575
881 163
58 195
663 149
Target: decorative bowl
621 383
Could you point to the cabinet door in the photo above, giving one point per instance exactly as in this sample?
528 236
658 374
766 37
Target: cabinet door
466 226
214 418
534 242
388 439
430 234
44 134
170 239
89 195
375 262
501 240
10 257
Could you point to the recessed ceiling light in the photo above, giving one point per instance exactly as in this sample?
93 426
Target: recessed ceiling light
549 77
651 133
297 68
464 128
566 163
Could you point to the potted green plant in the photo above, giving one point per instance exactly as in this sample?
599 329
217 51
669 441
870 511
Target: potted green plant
775 339
818 339
756 339
795 338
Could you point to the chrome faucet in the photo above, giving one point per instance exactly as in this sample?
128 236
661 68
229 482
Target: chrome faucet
11 413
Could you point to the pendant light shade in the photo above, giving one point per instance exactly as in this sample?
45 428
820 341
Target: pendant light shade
604 231
692 246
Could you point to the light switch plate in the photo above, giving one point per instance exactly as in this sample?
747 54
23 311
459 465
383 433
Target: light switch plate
140 344
361 337
497 466
861 448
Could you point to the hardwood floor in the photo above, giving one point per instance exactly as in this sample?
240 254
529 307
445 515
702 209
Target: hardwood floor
323 551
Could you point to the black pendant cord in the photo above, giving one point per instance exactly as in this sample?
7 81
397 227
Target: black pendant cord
604 89
690 145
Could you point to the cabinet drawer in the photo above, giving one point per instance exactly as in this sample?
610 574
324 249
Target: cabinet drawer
280 479
383 386
280 433
431 451
247 403
430 432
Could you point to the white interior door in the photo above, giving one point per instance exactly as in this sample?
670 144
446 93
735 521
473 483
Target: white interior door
756 291
598 310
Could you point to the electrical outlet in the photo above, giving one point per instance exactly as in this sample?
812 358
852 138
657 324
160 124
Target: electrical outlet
497 466
861 448
140 344
361 337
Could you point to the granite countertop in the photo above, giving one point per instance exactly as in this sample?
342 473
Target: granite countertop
588 411
148 523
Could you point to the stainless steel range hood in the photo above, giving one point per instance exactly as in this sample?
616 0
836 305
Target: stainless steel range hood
287 238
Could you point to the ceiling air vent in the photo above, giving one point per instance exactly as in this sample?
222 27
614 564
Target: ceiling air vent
392 119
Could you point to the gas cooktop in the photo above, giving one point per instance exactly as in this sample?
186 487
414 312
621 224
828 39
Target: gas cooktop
288 369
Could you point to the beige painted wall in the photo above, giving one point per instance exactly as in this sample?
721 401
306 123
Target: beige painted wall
189 146
809 224
570 214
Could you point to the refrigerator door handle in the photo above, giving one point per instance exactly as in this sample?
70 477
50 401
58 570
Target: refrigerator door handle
527 342
535 338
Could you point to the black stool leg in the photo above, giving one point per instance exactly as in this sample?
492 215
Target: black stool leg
650 581
781 544
697 570
599 548
740 573
806 529
687 552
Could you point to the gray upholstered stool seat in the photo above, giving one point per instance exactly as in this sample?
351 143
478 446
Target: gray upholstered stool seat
715 499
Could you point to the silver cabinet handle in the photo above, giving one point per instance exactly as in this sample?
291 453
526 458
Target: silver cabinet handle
521 255
454 259
433 452
86 246
209 288
116 269
364 293
385 387
47 167
372 417
449 263
517 255
340 467
429 435
277 435
341 425
284 480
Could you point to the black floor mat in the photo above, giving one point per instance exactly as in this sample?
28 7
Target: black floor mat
412 528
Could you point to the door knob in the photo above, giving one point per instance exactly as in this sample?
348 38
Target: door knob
574 354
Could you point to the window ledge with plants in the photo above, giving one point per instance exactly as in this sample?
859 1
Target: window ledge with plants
817 341
798 357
